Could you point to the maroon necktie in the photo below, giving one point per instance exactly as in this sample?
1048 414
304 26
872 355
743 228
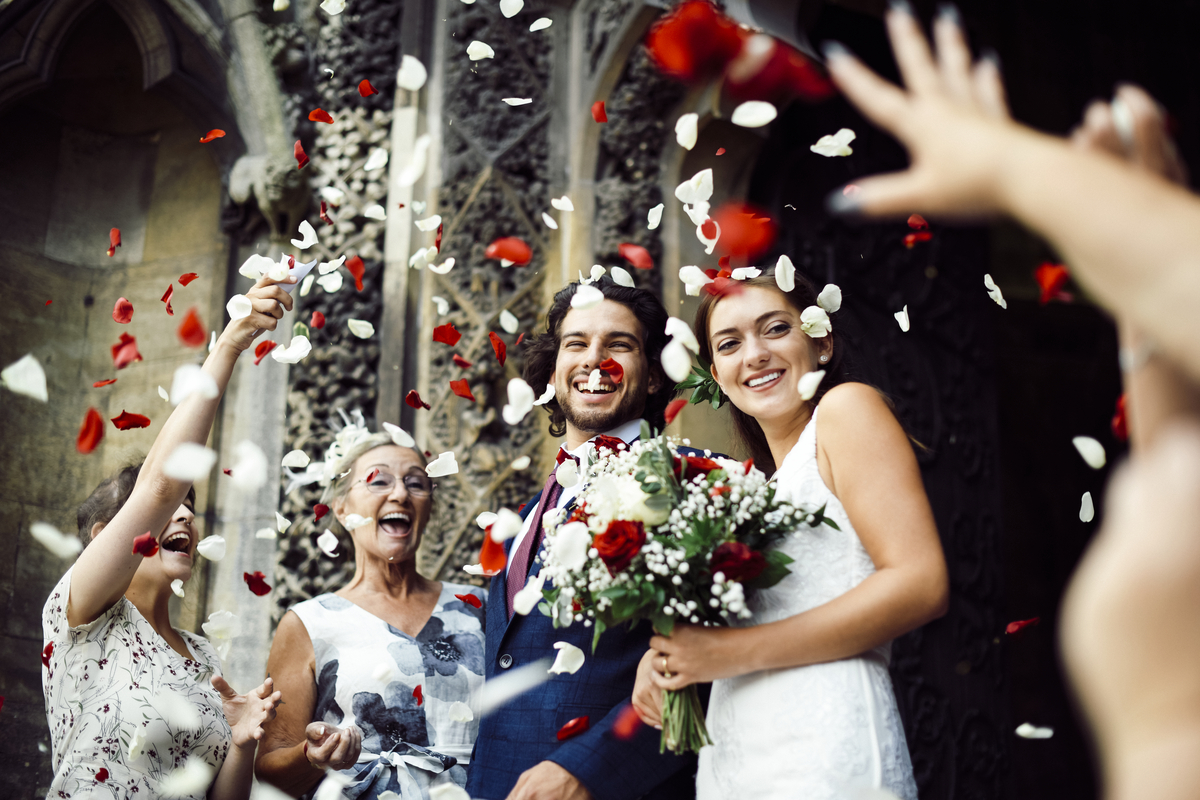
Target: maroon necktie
518 570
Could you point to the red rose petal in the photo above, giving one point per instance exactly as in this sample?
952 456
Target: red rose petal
1120 423
114 241
748 464
446 334
598 112
708 228
414 400
694 41
437 242
626 725
257 583
910 241
470 600
519 338
636 255
460 362
102 775
356 268
215 133
261 349
366 89
124 421
673 409
301 156
47 651
498 347
777 76
90 432
461 389
510 248
166 298
574 727
48 302
613 368
918 223
187 278
371 475
145 545
191 330
1013 627
325 214
746 232
317 321
720 152
320 115
491 557
1052 278
320 510
420 698
228 472
723 263
98 384
123 311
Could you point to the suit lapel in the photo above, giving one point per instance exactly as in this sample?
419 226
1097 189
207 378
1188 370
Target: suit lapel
498 623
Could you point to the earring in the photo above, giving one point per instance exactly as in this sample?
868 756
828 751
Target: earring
824 359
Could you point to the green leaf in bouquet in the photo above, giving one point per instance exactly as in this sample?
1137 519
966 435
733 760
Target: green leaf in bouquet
658 501
775 571
600 627
645 431
819 519
544 607
663 623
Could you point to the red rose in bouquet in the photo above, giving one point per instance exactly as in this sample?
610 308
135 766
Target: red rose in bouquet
620 542
696 465
603 442
737 562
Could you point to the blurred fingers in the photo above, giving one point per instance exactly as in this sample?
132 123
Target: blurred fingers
222 686
989 87
895 194
911 50
880 101
1096 131
954 57
1151 145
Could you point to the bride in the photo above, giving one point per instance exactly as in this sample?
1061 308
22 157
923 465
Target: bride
802 705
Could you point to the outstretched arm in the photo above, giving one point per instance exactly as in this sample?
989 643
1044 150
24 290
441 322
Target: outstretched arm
1132 238
246 715
106 566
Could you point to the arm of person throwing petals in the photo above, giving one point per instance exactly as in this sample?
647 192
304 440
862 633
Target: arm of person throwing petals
1132 238
1129 622
246 714
106 567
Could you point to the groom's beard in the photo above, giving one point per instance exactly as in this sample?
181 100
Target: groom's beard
595 421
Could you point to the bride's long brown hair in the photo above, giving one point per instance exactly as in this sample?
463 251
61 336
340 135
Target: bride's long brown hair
801 297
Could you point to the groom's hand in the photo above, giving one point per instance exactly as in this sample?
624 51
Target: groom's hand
548 781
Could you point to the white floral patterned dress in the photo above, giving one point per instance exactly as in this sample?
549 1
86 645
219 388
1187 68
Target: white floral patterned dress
124 708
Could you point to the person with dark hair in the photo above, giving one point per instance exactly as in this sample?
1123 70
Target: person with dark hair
134 703
603 362
802 705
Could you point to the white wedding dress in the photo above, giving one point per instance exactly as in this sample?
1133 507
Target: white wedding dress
818 732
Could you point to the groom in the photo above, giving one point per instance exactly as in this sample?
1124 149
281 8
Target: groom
518 755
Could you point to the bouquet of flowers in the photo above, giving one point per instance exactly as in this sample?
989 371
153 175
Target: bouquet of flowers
663 536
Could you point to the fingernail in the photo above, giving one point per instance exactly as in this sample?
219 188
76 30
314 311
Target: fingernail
948 12
901 7
833 49
990 55
840 203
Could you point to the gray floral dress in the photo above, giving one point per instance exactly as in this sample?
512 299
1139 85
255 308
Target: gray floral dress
125 710
415 699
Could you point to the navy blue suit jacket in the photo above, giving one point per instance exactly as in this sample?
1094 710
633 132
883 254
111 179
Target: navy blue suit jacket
524 732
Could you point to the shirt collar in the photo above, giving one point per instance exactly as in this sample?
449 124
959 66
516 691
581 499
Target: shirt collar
626 432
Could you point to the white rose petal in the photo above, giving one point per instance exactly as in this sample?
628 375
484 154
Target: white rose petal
255 267
1091 450
572 542
176 711
693 280
399 435
680 330
486 518
265 533
375 211
809 382
830 298
837 144
540 24
593 383
1028 731
473 569
697 213
477 51
191 379
361 328
189 462
596 274
815 322
220 625
550 221
25 376
785 274
512 683
902 318
443 268
508 321
354 522
444 464
282 523
429 223
307 284
333 194
686 130
994 291
298 348
326 267
459 712
510 8
239 307
195 775
708 243
376 159
297 459
250 467
137 742
676 361
546 397
526 599
563 203
587 297
654 217
753 114
517 101
746 273
1087 510
328 789
621 276
333 7
506 525
567 473
697 189
63 545
569 659
521 463
308 236
212 547
281 5
177 588
328 542
416 166
520 401
441 304
330 283
163 394
412 74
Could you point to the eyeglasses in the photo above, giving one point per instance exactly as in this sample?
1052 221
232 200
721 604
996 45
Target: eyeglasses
378 482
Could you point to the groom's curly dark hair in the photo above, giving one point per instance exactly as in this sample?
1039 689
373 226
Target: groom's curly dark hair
542 351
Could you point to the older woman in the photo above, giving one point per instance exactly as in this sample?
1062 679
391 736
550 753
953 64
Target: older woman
380 674
128 696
